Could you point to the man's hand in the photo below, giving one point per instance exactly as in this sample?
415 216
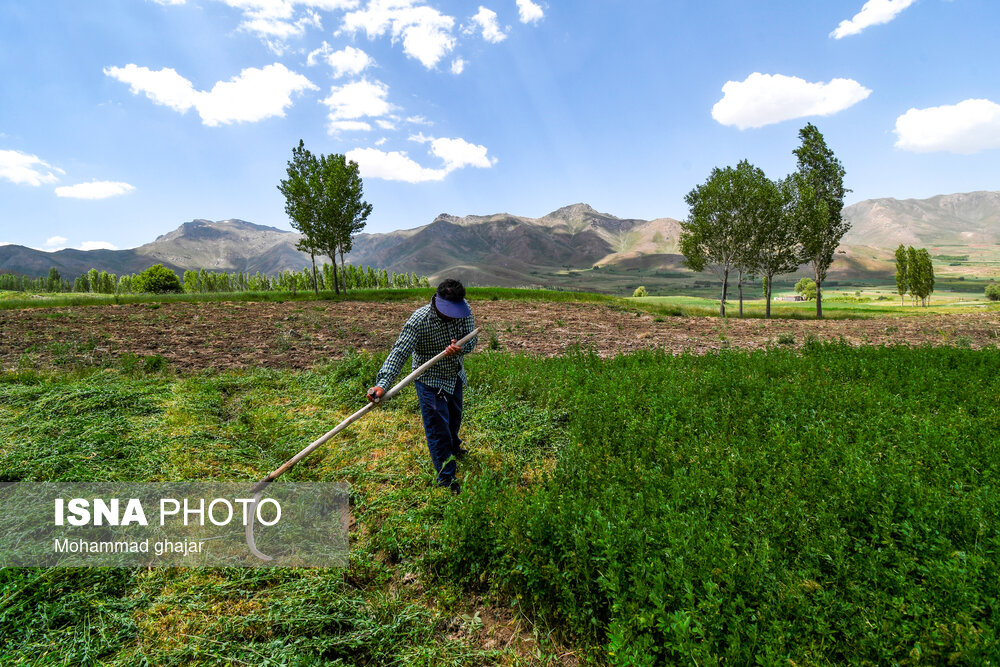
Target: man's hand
452 349
375 394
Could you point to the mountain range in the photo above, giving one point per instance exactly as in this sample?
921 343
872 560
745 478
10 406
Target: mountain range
574 246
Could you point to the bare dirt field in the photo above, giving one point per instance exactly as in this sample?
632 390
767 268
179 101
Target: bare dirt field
300 334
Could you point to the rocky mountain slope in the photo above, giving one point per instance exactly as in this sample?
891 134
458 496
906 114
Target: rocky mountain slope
554 250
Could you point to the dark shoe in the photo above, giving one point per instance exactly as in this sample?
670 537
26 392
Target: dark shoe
455 487
460 453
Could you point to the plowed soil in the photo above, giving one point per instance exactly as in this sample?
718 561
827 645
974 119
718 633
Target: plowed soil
301 334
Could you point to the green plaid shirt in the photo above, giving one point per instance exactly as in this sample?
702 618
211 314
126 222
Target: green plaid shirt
424 335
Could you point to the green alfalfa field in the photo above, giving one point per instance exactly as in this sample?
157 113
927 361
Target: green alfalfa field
817 505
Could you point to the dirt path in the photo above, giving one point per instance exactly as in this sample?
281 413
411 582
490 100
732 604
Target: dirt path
300 334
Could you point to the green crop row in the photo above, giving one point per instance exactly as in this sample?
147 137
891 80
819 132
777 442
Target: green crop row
838 506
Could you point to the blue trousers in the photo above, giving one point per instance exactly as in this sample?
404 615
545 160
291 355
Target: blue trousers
442 413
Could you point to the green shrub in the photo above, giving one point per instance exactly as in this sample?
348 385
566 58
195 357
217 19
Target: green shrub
640 291
807 288
157 279
993 291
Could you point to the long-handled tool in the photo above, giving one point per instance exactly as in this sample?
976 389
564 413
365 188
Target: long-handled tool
258 488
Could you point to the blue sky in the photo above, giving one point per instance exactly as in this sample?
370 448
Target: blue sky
121 119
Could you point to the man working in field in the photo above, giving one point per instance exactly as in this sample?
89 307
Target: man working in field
447 317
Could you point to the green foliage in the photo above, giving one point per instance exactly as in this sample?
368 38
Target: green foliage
157 279
726 214
833 506
902 272
993 292
807 288
640 291
324 201
820 182
53 282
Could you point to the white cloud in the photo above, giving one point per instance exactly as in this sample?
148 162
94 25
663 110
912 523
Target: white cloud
392 166
967 127
418 120
277 21
97 245
426 33
94 190
359 99
386 124
253 95
529 12
381 142
337 126
458 153
486 20
54 241
457 66
170 2
398 166
874 12
347 61
24 169
764 99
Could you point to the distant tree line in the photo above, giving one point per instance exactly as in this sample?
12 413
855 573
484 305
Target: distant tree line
50 283
743 225
159 279
914 274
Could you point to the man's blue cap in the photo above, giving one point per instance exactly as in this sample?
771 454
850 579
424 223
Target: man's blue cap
455 309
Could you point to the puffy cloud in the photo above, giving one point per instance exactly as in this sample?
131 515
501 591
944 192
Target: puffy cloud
967 127
347 61
874 12
458 153
764 99
97 245
529 12
392 166
165 87
457 66
252 96
359 99
56 242
426 33
94 190
399 166
386 124
24 169
486 20
170 2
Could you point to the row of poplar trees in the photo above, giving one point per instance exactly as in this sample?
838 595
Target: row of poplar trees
914 273
742 224
324 199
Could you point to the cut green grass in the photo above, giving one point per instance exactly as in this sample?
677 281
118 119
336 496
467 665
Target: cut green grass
829 505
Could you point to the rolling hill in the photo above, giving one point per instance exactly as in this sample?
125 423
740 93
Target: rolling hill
572 247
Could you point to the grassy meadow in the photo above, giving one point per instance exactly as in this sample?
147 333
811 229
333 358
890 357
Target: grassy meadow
838 303
822 506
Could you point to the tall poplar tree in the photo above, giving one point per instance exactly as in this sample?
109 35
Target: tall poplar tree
822 227
301 190
902 273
